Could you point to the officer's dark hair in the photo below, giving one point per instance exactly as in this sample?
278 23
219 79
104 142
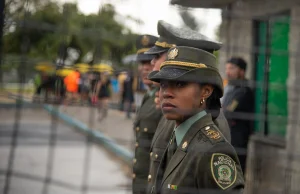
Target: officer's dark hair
213 103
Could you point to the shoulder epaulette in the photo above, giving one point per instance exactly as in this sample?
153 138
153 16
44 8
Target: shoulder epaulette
213 134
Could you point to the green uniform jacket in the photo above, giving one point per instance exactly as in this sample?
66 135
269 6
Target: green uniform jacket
162 137
159 144
203 162
223 126
145 126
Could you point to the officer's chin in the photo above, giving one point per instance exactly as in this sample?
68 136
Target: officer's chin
171 115
157 106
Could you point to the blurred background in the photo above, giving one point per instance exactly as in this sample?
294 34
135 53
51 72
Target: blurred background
55 140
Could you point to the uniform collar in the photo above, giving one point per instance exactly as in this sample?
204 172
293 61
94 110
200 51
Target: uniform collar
183 128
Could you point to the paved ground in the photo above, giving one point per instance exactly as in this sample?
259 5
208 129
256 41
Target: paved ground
75 162
115 126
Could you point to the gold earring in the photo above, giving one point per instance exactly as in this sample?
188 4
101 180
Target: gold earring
202 101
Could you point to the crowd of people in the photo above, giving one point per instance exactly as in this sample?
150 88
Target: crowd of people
124 88
76 88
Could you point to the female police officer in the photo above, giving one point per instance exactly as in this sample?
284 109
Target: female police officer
198 157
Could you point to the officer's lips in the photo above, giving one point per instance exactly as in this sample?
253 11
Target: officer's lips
167 106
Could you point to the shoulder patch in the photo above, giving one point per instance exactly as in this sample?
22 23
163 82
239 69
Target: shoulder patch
223 169
213 134
232 106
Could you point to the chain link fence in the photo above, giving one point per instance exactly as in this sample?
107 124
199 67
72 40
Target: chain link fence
43 154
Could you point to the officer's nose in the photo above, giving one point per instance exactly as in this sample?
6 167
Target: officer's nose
166 92
155 64
153 61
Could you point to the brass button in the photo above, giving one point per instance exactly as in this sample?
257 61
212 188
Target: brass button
134 160
151 153
170 141
149 177
136 144
184 145
156 156
137 129
207 128
145 129
133 176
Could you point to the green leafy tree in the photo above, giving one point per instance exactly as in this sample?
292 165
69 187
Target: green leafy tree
46 27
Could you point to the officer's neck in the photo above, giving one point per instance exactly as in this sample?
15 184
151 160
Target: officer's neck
186 117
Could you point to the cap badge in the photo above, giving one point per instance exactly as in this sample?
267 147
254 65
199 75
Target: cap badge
145 40
173 53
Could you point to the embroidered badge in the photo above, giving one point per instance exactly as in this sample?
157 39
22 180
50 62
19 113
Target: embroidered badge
223 170
172 187
173 53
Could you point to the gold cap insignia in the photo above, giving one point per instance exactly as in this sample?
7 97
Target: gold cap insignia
173 53
145 40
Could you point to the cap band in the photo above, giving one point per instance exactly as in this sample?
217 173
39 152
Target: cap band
164 44
142 50
183 64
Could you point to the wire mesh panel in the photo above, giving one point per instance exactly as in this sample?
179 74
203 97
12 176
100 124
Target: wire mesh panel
55 138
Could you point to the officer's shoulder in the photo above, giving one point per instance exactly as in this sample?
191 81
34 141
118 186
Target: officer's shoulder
211 140
208 140
211 134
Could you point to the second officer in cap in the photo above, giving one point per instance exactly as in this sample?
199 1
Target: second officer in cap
147 118
198 157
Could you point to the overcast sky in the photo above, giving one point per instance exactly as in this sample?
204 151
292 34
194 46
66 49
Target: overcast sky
150 11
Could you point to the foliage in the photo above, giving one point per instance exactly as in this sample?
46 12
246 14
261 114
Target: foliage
44 28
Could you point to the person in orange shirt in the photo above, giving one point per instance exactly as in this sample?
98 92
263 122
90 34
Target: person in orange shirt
72 81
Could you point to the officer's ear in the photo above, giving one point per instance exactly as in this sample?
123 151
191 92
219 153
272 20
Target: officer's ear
206 91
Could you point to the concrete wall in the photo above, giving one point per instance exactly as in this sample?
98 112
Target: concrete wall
266 166
293 129
274 167
236 35
237 28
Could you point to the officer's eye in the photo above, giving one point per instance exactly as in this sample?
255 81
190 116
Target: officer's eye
181 84
163 84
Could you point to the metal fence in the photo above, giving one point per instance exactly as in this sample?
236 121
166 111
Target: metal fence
42 154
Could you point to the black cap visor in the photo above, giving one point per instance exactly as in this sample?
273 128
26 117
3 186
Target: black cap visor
155 50
198 75
144 57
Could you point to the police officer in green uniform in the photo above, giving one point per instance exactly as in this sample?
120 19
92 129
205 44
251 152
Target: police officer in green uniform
146 120
198 158
169 37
